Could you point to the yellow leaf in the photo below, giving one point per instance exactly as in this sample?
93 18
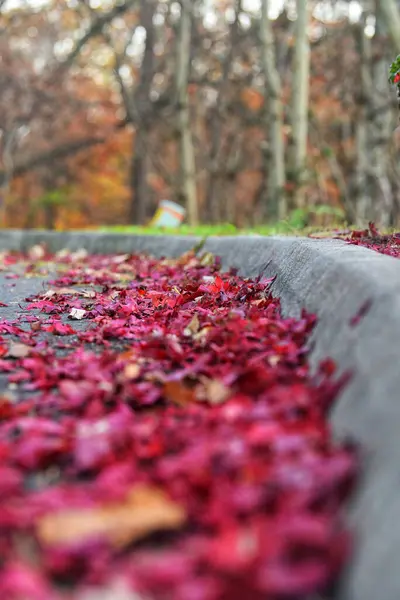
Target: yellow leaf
193 327
208 259
202 334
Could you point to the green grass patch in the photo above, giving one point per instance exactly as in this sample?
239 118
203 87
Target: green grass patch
297 224
218 230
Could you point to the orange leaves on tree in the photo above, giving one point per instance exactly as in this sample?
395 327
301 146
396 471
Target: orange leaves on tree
252 99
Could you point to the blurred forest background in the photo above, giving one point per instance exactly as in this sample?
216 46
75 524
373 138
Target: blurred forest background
244 111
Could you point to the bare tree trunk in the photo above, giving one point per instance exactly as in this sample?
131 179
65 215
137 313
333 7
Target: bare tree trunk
233 164
138 174
274 119
363 200
299 101
7 175
391 16
216 120
373 186
381 127
50 214
187 184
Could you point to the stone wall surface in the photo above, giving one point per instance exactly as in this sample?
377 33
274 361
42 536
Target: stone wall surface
334 280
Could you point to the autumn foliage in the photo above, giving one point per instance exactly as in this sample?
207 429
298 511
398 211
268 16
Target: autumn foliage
164 436
88 115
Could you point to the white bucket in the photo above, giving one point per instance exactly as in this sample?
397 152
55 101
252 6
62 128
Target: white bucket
168 214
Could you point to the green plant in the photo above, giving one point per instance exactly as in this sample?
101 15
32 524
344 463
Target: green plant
394 71
300 218
52 198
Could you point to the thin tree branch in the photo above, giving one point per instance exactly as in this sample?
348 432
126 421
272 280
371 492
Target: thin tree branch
56 153
96 29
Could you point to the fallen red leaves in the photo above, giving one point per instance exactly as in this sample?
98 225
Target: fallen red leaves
178 446
371 238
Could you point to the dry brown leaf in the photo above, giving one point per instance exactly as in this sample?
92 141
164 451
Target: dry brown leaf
178 393
202 334
121 258
51 293
193 327
158 376
274 360
145 510
63 253
114 295
128 355
79 254
208 259
117 590
3 256
187 260
213 391
36 326
131 371
88 293
77 313
258 301
69 292
185 257
18 350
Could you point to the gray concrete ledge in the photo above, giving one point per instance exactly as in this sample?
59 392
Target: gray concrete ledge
333 280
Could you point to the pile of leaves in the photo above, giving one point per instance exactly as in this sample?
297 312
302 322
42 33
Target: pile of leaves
162 437
373 239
